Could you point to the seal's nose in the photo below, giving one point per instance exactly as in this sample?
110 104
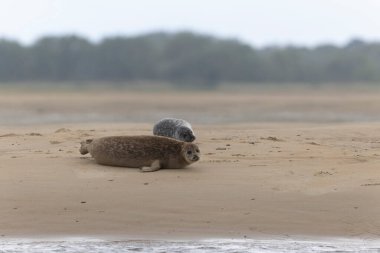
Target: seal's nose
195 158
191 138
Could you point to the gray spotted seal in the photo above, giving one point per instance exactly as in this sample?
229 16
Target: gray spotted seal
174 128
150 153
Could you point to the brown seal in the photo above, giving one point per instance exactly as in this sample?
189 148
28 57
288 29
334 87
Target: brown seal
150 153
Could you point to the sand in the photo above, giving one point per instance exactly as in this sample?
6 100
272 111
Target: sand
294 104
276 162
254 179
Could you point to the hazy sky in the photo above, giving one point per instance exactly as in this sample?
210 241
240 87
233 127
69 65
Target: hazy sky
259 22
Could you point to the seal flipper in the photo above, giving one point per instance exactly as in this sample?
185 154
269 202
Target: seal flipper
84 146
153 167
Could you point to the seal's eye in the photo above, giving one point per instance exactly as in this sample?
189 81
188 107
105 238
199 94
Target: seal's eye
197 150
189 152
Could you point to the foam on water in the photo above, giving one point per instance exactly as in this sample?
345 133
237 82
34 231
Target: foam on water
186 246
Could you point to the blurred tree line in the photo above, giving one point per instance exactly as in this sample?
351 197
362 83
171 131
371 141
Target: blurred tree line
185 58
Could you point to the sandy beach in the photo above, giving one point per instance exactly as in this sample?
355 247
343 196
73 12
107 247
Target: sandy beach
255 179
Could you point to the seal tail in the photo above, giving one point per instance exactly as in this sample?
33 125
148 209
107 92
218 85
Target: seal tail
84 146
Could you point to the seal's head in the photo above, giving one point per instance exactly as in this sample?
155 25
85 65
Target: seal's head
185 134
191 153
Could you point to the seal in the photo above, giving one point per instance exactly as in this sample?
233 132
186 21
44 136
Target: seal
150 153
174 128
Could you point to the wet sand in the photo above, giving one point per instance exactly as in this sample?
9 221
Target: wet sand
294 104
262 174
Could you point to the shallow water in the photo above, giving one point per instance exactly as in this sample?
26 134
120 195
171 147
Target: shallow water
199 246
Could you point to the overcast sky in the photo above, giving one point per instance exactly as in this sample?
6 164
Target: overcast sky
258 22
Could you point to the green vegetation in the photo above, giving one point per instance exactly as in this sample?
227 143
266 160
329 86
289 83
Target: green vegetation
183 59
